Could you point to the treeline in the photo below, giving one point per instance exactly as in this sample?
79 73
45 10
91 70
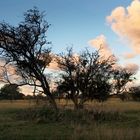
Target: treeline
12 92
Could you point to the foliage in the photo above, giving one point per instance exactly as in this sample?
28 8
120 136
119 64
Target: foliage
121 77
25 48
125 96
135 93
85 76
11 91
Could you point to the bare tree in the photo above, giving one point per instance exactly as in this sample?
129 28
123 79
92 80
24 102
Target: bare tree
25 47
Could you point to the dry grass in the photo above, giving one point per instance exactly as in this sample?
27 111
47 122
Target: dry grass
97 132
114 104
125 128
110 105
7 104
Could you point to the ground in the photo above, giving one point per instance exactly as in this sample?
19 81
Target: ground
121 123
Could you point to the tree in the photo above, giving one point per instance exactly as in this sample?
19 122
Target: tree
135 93
85 76
121 77
25 47
11 92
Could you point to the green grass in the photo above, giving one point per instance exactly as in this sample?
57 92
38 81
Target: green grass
112 120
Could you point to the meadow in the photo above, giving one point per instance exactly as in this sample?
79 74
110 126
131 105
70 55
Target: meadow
111 120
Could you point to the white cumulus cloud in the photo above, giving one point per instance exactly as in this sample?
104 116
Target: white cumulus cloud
125 21
100 42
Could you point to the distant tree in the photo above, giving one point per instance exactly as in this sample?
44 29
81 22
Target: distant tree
25 47
124 96
121 77
85 76
11 92
135 93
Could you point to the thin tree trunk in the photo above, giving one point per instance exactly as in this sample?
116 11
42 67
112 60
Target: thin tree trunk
81 103
53 102
46 89
50 98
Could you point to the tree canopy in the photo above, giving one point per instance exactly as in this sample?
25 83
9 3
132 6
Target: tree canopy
11 92
85 77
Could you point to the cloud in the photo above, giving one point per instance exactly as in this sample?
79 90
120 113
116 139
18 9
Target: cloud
131 67
126 23
129 55
53 65
100 43
9 72
27 90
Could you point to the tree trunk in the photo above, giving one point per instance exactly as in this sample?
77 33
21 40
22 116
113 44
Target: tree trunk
77 105
52 102
46 89
50 98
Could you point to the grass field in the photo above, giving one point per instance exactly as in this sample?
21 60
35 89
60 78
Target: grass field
116 120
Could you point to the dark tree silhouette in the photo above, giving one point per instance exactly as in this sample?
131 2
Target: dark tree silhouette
11 92
121 77
25 47
85 76
135 93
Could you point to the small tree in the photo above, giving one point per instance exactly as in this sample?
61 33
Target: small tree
121 77
25 47
85 76
11 92
135 93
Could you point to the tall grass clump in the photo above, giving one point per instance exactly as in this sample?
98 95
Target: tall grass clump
48 115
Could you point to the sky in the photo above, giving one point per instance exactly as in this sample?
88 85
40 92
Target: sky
114 24
73 22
